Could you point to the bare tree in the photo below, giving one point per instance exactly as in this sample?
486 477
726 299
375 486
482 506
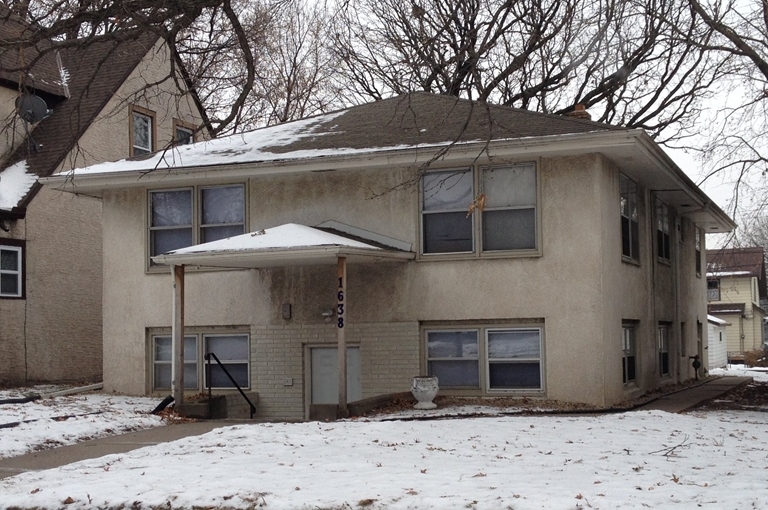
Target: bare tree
619 59
736 138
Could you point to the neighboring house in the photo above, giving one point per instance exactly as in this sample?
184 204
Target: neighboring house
50 242
718 342
735 286
508 252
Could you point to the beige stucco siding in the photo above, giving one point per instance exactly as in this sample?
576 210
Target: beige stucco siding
14 129
56 332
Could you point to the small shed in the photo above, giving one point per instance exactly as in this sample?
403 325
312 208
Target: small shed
718 343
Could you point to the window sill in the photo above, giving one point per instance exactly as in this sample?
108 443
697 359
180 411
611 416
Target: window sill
489 255
664 262
627 260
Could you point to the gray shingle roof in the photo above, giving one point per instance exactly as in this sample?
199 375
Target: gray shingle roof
422 118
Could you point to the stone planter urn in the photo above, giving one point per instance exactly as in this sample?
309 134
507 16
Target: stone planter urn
424 389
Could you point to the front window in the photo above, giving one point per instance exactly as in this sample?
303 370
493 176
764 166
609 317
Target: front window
629 356
233 350
713 290
10 271
189 216
662 231
508 359
501 217
514 359
453 356
663 340
162 349
142 131
630 230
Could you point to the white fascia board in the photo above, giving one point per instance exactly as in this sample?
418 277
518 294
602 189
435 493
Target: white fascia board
281 257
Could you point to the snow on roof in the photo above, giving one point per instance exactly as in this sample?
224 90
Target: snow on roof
247 147
290 235
729 273
716 320
15 183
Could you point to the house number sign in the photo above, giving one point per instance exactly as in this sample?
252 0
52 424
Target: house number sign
340 304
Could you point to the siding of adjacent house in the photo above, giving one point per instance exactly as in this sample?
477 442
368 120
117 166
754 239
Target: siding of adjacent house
61 317
745 333
718 356
578 289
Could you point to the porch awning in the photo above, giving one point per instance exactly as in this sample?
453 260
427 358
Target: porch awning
286 245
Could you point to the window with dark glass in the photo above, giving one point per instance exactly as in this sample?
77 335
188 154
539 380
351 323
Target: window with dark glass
142 133
663 341
505 208
629 356
697 242
630 230
663 248
184 136
514 359
181 218
11 271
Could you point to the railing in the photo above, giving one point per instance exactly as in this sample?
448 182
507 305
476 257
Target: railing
713 294
209 383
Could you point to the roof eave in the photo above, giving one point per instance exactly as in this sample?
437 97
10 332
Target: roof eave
295 256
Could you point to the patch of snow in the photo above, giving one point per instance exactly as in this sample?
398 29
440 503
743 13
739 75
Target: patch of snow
759 374
290 235
716 320
633 460
728 273
50 422
15 183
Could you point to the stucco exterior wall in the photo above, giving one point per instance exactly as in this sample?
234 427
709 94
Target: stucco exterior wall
578 288
13 129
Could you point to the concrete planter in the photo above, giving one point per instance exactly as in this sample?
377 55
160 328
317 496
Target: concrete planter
424 389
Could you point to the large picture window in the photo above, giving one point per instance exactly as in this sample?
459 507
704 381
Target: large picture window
456 218
184 217
233 350
630 229
507 359
11 271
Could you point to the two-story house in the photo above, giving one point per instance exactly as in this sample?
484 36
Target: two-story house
735 287
78 105
507 252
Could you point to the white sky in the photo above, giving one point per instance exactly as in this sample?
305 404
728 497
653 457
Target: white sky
637 460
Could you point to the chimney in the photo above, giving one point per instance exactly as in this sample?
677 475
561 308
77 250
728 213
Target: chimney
580 112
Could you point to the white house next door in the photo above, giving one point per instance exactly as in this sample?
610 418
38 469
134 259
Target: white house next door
325 375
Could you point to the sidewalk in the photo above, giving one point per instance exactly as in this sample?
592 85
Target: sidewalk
122 443
673 403
689 398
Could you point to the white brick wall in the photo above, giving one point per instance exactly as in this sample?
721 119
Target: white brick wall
389 355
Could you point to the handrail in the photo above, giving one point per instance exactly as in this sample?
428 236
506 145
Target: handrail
210 383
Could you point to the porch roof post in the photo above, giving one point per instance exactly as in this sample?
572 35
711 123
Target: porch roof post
341 319
177 334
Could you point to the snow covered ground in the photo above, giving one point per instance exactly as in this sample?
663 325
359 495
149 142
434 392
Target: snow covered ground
628 460
51 422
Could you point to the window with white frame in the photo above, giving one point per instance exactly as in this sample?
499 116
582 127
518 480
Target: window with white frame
630 229
183 217
162 350
142 131
11 274
663 344
663 248
233 350
234 353
508 358
502 217
629 354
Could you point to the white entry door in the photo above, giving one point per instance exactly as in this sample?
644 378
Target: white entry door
325 375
